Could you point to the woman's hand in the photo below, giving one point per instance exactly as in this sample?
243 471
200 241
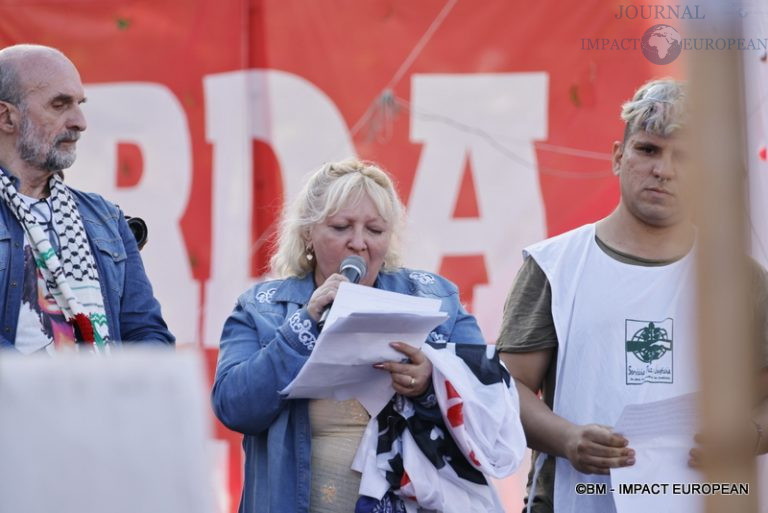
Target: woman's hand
410 379
324 295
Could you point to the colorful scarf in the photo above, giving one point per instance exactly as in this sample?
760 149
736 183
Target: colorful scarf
72 278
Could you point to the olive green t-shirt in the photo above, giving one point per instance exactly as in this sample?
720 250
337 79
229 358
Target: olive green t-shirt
527 326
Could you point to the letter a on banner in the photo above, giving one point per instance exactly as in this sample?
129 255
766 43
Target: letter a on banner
491 119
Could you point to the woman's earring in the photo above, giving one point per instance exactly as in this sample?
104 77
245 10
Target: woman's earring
309 254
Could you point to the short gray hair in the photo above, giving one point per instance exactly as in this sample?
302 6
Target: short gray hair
11 57
658 107
10 83
326 191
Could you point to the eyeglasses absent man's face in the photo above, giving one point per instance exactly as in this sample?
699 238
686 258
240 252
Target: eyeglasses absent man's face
650 173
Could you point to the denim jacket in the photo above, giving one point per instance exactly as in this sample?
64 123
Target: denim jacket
133 313
265 342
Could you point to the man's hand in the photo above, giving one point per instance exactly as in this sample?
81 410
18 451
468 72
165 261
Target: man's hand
710 450
595 449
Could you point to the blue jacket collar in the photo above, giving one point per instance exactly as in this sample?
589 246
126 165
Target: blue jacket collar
295 289
13 177
298 289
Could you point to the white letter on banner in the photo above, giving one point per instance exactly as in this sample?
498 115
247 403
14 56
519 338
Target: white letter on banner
491 119
304 129
149 116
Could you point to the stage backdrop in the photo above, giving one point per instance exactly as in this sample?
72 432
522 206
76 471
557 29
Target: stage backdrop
496 118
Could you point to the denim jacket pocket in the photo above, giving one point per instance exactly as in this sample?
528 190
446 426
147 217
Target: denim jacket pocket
5 248
111 256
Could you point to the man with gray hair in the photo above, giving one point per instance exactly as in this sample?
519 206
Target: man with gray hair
602 316
70 272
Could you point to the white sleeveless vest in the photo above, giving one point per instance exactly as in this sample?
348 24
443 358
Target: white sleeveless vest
625 335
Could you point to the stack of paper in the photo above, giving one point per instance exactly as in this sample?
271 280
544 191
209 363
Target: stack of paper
360 326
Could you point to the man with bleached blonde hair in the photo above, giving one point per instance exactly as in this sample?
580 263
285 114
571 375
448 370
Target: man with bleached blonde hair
602 316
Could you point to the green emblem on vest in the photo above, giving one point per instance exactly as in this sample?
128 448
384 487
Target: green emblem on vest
649 351
649 343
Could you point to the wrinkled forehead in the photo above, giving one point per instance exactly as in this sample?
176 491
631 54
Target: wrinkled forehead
48 75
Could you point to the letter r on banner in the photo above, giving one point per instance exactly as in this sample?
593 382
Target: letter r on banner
150 118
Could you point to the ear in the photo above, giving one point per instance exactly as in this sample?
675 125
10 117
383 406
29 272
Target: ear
616 155
9 118
306 235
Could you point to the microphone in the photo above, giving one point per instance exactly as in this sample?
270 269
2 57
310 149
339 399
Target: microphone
352 268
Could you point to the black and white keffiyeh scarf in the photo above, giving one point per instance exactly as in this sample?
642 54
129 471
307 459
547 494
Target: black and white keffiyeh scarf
72 277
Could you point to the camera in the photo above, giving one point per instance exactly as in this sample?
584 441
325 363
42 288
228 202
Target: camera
139 229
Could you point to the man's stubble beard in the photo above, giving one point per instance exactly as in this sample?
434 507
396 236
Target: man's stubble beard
34 151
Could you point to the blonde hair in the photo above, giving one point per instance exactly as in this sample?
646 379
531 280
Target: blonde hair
326 191
658 108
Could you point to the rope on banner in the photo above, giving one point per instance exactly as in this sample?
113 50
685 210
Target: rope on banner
380 102
380 115
509 153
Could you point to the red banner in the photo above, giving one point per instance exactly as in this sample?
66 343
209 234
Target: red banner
495 117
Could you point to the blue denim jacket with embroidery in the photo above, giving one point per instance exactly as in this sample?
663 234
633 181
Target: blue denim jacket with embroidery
265 342
133 313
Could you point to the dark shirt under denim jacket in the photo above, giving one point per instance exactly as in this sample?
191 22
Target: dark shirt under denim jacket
265 342
133 313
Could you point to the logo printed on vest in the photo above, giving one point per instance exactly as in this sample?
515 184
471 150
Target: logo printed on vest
648 351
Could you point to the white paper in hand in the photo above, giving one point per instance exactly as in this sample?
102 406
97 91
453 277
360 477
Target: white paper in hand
661 433
362 323
359 298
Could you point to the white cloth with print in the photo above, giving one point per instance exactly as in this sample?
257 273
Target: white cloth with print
30 334
483 420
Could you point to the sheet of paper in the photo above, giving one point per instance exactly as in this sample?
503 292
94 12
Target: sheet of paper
341 364
661 433
359 298
354 338
124 433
